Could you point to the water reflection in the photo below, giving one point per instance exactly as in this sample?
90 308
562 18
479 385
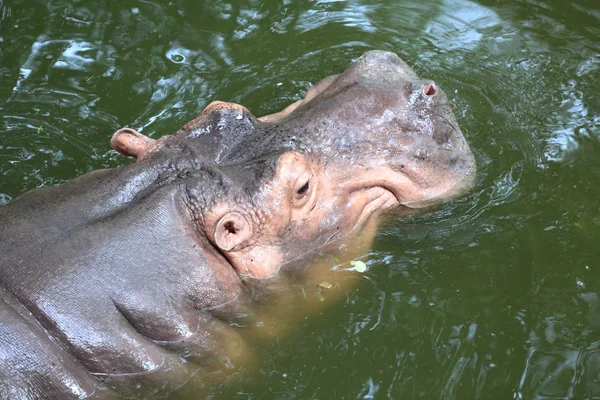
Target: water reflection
492 295
462 25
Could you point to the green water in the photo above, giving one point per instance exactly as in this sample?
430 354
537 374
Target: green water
493 296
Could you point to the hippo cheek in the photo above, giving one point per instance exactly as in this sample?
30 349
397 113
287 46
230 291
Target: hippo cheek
334 217
323 211
260 261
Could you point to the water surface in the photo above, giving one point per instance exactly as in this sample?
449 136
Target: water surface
492 296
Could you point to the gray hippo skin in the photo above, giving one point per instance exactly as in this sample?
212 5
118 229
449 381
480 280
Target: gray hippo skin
129 271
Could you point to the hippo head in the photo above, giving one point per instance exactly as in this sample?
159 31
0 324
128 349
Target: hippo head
371 139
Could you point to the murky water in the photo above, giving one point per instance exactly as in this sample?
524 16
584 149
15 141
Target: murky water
493 296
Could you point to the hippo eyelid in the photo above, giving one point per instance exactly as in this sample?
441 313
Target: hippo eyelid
304 188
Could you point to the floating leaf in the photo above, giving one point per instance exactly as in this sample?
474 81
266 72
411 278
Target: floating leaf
335 259
321 287
359 266
325 285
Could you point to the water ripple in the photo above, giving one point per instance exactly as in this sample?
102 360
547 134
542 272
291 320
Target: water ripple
488 295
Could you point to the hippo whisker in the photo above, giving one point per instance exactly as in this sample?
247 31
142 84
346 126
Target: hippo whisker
447 104
444 119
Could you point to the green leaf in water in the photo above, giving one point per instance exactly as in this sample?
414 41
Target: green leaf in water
359 266
335 259
40 129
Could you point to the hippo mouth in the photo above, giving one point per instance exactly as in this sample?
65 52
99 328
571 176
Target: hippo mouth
396 187
393 187
381 199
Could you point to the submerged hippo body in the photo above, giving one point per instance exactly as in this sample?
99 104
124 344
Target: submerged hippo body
134 269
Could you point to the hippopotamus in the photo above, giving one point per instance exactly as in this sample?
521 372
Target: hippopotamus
123 273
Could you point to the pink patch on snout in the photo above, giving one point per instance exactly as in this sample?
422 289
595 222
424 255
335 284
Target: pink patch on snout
429 89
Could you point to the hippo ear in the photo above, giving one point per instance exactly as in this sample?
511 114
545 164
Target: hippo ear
130 142
231 231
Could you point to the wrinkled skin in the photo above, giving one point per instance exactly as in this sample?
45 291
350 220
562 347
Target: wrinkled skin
134 270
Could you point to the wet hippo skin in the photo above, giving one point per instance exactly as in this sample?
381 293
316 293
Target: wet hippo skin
135 271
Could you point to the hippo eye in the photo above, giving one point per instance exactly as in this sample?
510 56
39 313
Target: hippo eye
303 189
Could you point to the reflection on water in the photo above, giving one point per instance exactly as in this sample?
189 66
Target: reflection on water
491 296
462 25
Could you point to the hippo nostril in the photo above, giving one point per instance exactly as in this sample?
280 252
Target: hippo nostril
429 89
